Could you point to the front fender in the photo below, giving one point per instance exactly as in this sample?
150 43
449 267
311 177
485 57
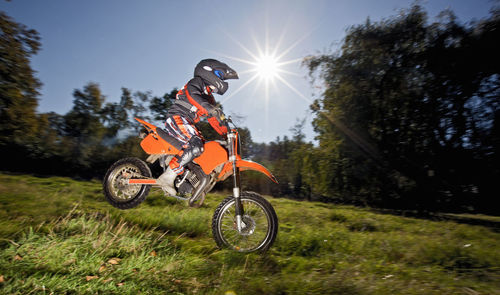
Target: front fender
249 165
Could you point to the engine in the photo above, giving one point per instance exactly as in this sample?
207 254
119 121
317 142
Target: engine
186 184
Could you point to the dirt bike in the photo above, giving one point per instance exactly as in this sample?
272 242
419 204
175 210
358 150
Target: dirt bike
244 221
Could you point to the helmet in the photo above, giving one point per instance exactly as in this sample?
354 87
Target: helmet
214 72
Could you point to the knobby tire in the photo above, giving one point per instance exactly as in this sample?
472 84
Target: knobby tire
140 196
266 208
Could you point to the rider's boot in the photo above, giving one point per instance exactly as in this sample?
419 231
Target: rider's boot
176 165
166 180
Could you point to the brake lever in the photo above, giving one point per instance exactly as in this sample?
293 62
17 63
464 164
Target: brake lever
230 120
226 121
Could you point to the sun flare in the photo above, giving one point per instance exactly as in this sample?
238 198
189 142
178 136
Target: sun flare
267 67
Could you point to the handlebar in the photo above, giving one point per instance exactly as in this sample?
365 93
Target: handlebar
226 122
231 135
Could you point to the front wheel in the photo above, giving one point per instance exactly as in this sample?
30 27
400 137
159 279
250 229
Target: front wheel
118 191
259 224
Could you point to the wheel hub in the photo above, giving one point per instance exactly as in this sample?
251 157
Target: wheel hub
120 186
248 225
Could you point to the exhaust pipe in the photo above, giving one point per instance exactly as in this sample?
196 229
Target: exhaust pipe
199 193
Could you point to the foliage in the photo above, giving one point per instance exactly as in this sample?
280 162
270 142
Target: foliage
59 235
409 119
159 106
408 113
18 88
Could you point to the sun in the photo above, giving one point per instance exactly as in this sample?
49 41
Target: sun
267 67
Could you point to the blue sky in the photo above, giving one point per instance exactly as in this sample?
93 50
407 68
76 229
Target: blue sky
154 45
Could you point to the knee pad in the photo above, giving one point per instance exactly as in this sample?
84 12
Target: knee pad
196 146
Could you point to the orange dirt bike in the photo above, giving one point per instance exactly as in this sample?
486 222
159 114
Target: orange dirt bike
244 222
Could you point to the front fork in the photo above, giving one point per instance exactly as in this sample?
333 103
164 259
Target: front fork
236 194
239 211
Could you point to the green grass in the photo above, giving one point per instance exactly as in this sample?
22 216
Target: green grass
59 236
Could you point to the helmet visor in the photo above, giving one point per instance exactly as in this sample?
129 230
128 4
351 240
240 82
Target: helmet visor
225 73
219 74
231 75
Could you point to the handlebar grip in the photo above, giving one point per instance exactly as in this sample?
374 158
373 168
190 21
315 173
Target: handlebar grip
226 123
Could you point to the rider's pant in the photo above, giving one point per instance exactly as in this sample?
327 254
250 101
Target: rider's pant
189 136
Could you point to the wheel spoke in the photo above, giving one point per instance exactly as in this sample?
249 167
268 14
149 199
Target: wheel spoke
119 182
255 231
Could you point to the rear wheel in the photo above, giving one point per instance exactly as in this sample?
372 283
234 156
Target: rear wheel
118 192
260 224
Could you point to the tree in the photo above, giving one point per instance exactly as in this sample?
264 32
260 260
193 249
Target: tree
83 124
159 105
18 84
116 116
406 109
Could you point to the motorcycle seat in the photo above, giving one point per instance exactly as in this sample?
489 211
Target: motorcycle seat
168 138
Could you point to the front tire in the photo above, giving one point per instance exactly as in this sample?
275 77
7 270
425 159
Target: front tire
260 224
117 191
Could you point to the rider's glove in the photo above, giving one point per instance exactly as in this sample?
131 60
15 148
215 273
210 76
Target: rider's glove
216 121
222 130
217 113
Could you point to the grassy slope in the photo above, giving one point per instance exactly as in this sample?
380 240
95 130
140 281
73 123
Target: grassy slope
59 235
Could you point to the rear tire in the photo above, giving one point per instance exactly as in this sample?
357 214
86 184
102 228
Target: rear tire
117 191
261 224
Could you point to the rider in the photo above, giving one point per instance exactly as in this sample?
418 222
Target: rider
192 102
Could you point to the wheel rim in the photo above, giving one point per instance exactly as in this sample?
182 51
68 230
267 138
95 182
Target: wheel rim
120 189
256 226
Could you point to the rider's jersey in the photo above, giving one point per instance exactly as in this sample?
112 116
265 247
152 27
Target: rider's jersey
195 101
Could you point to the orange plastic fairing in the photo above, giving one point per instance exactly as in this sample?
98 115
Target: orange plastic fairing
213 156
154 145
227 170
149 126
249 165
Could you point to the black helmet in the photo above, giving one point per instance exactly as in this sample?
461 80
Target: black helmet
214 72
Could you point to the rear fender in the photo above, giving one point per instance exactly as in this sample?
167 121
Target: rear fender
147 125
154 144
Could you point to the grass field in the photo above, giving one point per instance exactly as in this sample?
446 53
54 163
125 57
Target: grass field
59 236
